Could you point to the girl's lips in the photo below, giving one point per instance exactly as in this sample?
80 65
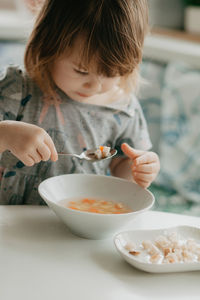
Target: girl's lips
82 95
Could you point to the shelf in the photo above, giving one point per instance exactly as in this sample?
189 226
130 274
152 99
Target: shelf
14 26
177 34
167 46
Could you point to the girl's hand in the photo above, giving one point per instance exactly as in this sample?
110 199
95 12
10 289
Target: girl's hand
145 165
29 143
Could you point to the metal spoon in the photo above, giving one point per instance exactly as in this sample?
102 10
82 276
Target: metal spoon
89 155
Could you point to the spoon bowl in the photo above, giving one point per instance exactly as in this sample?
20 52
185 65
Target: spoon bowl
89 155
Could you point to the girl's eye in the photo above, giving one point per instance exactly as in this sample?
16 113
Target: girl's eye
81 72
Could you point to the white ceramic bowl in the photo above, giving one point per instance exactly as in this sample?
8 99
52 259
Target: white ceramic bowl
93 225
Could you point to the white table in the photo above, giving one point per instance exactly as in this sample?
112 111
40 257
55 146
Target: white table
41 259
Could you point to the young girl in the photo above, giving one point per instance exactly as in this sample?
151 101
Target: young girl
77 93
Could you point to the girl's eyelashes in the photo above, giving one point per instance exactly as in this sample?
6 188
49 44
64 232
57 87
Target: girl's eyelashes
81 72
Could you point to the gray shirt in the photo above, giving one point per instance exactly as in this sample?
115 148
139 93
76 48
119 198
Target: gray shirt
73 127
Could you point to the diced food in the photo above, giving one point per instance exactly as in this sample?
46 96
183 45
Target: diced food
102 152
166 249
98 206
135 253
130 246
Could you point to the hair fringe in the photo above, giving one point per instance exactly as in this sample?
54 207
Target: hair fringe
113 32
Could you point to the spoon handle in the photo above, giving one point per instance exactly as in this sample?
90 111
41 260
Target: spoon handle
69 154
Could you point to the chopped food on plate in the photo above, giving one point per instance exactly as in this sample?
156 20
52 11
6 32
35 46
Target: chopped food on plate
167 249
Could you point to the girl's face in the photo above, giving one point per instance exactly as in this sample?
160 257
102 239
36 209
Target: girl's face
80 84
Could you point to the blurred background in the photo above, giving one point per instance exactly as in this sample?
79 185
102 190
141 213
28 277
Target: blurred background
170 96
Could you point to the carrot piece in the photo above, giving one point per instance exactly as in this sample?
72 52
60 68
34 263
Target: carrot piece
101 148
104 202
89 201
92 201
94 210
85 200
73 207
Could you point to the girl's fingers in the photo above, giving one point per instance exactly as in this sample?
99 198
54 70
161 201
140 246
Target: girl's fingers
48 141
35 156
27 160
44 152
146 158
146 168
139 156
131 152
144 176
143 184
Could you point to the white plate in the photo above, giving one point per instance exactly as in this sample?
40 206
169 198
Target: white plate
137 236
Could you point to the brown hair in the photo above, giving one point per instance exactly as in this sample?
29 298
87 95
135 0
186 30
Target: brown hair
113 31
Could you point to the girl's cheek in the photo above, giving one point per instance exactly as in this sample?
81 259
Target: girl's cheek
109 84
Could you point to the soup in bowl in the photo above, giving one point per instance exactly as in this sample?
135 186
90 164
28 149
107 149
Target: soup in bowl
95 206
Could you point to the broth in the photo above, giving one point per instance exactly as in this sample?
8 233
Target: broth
98 206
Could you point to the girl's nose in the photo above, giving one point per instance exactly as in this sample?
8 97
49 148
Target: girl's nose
94 84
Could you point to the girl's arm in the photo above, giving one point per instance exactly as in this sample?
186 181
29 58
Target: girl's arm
29 143
139 166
